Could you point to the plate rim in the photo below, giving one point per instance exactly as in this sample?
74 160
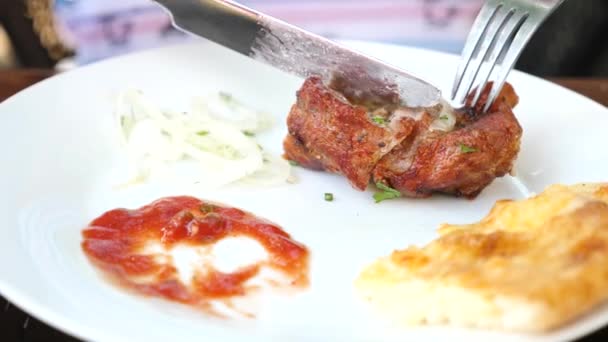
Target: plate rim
71 326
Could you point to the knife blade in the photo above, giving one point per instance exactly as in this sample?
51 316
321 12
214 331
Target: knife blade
298 52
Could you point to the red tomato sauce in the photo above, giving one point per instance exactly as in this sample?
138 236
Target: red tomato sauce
114 242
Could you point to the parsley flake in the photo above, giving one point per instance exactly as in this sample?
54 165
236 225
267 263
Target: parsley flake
249 134
444 118
379 120
207 208
202 133
293 163
329 196
226 97
466 149
386 193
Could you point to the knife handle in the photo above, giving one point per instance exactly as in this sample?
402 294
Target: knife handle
223 22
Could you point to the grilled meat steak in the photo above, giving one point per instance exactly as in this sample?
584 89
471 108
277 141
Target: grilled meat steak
402 147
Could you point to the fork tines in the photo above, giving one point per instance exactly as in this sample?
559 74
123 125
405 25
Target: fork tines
499 34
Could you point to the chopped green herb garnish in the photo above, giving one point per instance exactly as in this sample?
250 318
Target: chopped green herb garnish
443 117
329 196
379 120
293 163
227 97
466 149
260 147
249 134
386 193
207 208
202 133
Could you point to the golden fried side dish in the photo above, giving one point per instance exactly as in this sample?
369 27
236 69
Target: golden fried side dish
530 266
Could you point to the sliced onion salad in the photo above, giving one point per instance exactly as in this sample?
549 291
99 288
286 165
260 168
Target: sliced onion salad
213 144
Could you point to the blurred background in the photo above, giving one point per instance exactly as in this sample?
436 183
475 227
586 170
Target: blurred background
71 33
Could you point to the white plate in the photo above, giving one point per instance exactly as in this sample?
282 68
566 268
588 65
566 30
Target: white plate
58 153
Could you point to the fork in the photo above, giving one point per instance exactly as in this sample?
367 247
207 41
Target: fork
499 34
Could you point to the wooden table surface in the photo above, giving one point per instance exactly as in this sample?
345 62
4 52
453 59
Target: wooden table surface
19 327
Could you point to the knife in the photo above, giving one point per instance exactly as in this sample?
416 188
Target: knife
299 52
